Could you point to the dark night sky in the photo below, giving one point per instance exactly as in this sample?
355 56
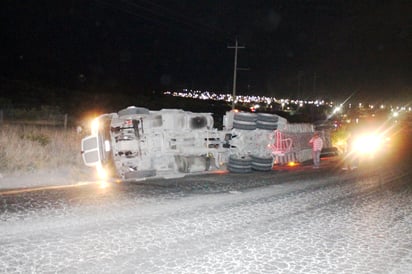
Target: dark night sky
303 48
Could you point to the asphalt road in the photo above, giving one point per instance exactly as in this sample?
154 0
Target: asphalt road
290 220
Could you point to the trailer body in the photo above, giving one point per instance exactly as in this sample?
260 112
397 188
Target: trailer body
137 143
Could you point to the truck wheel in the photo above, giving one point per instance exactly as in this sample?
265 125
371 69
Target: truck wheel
261 160
239 170
261 168
266 117
240 160
266 125
244 125
235 166
261 163
245 116
239 164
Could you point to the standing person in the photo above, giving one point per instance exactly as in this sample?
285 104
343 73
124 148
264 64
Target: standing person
351 160
317 145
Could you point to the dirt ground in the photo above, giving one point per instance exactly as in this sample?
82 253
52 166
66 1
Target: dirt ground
62 176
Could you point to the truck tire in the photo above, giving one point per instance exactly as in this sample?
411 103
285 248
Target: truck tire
266 125
261 167
244 125
261 160
239 170
245 116
239 164
266 117
240 160
261 163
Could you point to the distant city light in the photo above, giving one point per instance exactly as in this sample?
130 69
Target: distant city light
337 109
285 103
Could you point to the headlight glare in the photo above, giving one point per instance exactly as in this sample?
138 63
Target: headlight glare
368 144
101 172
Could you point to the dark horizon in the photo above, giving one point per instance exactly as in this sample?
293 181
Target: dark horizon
303 49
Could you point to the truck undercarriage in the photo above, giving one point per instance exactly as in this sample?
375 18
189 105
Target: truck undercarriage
136 143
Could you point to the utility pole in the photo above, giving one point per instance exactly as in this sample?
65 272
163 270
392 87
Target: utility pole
314 83
236 47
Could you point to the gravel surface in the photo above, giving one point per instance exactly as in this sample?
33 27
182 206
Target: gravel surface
284 221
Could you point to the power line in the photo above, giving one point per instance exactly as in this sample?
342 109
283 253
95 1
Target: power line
177 16
162 17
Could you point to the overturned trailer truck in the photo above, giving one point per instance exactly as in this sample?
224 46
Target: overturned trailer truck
136 143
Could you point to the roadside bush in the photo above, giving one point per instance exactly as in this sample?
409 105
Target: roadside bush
30 148
42 139
30 114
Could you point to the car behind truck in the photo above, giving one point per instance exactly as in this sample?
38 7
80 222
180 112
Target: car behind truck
137 143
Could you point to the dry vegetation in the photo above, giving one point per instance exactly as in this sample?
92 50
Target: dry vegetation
26 148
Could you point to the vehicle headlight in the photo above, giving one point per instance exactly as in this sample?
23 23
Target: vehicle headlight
107 146
95 126
368 144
